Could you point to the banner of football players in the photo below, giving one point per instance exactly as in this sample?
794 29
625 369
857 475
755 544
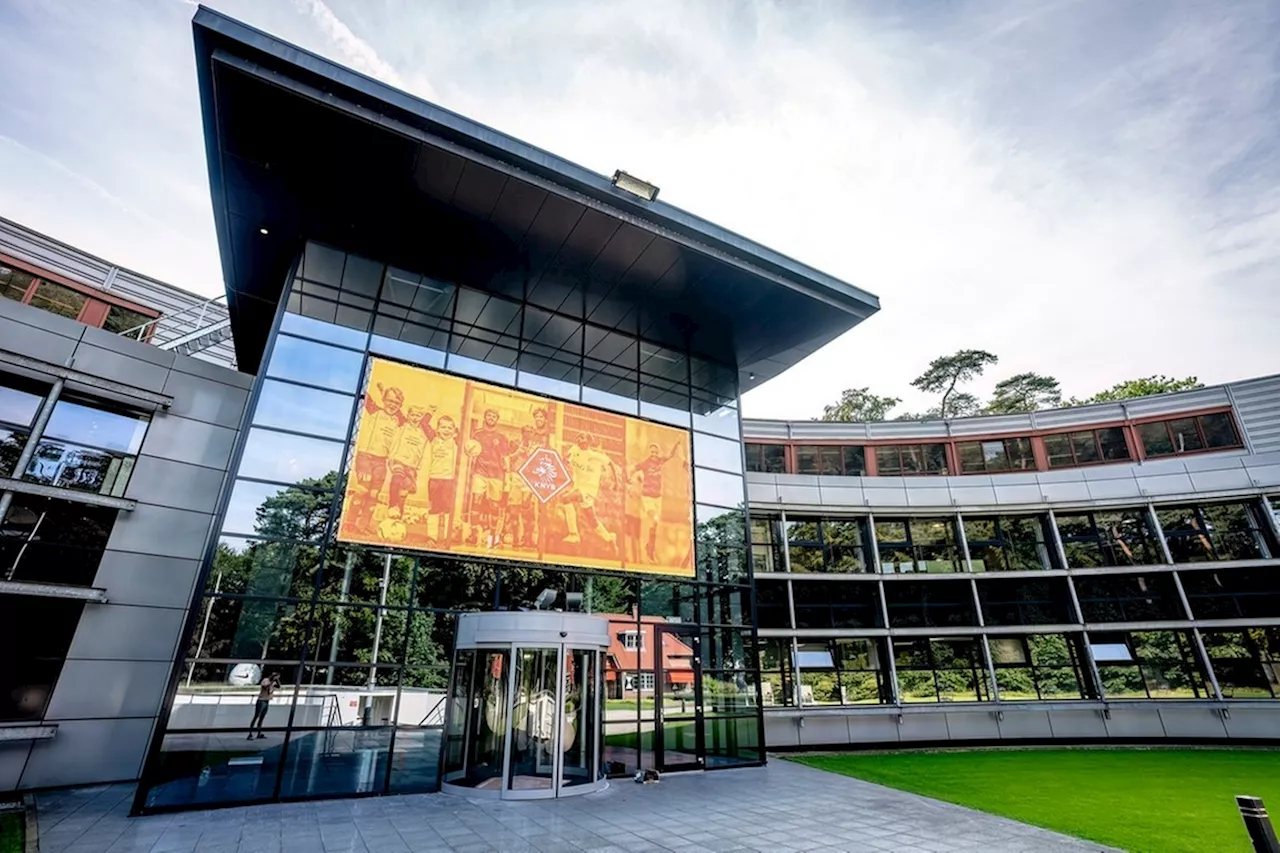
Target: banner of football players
454 465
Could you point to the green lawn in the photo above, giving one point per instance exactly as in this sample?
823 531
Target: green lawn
12 832
1142 800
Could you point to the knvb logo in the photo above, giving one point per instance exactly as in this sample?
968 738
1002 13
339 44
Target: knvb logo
545 474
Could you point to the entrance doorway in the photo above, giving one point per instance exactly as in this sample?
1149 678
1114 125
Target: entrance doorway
677 699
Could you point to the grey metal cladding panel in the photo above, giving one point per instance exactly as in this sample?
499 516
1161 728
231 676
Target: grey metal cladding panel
1214 461
146 580
1143 721
185 440
780 731
990 424
927 498
1024 723
1014 495
50 255
923 727
1215 481
873 729
218 372
1166 485
823 730
973 495
907 429
161 531
1257 406
1265 476
105 689
1078 415
121 368
175 484
1119 489
206 400
803 495
1057 492
761 493
1254 722
124 632
86 752
124 346
886 498
1081 723
972 725
1191 722
13 757
837 497
33 342
1183 401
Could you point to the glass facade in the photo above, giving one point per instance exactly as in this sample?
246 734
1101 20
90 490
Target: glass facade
321 668
1031 607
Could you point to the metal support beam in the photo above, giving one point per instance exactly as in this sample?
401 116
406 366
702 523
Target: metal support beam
67 374
54 590
40 490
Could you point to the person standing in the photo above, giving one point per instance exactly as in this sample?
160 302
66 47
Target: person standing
490 448
588 466
649 471
266 689
379 429
442 482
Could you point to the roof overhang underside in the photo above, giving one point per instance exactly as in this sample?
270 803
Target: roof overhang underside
309 150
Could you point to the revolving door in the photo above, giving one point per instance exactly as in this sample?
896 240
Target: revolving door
525 706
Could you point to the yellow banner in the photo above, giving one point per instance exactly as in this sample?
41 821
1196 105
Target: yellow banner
462 467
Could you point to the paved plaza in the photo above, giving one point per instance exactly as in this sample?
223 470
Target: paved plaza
784 807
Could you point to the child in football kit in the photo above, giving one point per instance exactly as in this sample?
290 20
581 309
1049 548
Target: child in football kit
374 442
406 457
442 479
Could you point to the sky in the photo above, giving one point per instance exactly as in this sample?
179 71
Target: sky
1087 188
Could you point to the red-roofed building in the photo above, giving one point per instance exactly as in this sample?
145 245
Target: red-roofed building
630 668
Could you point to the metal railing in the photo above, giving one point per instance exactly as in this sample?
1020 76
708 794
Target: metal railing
189 323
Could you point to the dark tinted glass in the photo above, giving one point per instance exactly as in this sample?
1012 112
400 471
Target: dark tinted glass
1111 440
1219 431
1186 436
1155 439
53 541
32 659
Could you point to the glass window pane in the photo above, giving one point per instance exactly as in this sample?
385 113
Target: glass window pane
58 299
1084 447
95 427
713 417
717 453
14 283
315 364
1219 431
120 320
309 410
309 327
86 469
1186 437
855 461
267 569
280 512
46 540
286 458
1155 439
1058 449
18 406
1114 447
717 488
993 456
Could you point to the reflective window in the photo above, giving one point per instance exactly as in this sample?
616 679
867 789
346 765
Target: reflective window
718 488
1086 447
766 549
32 661
772 608
1246 663
1009 454
57 299
279 512
1112 538
486 332
715 417
264 569
315 364
309 327
19 401
1025 601
830 604
123 320
293 407
76 304
1009 543
1039 666
918 545
87 448
911 459
287 458
719 453
1204 532
842 672
766 458
929 604
830 545
1128 597
946 669
45 540
1249 593
1188 435
15 284
1148 665
828 459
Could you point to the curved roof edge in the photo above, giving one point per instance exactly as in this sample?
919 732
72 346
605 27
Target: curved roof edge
1256 402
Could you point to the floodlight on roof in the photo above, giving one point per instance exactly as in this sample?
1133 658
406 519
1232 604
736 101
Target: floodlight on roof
635 186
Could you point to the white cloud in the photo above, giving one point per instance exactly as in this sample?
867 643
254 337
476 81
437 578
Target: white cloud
1085 188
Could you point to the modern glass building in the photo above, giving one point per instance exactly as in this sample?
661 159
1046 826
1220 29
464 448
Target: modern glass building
473 378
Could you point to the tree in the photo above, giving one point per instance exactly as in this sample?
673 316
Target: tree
859 405
1025 392
1144 387
947 371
